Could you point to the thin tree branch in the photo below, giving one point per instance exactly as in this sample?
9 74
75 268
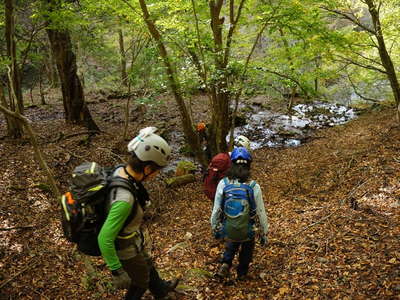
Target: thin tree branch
16 228
350 17
131 7
369 67
231 31
315 223
239 93
204 65
286 77
29 266
367 58
358 93
26 51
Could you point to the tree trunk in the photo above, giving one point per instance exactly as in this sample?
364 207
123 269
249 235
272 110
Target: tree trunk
191 136
220 96
51 67
76 110
293 90
220 120
11 53
11 122
384 55
41 92
14 83
122 55
127 108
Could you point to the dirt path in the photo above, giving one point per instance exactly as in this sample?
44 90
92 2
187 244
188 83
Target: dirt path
333 207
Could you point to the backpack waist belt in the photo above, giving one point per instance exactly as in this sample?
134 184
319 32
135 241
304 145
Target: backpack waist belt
129 236
130 244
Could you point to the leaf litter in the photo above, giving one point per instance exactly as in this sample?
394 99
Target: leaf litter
333 210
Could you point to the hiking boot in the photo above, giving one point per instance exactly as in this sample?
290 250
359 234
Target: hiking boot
166 297
244 277
172 284
223 270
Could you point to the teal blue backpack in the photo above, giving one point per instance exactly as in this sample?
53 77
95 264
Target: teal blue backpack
239 211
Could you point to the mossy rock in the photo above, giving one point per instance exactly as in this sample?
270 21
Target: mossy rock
197 272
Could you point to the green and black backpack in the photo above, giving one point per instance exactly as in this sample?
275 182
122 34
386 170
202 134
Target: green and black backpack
84 205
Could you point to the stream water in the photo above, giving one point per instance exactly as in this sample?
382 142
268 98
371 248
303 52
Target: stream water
271 129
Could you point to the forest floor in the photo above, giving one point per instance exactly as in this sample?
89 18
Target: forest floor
333 209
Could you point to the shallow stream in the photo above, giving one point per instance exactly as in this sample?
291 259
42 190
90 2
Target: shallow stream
265 128
270 129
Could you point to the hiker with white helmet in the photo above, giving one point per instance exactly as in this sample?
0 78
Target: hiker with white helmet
238 202
242 141
121 240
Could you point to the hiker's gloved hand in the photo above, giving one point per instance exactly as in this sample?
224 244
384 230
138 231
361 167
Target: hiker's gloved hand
217 234
121 279
263 240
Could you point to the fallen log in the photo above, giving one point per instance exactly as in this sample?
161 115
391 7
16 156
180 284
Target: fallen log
180 180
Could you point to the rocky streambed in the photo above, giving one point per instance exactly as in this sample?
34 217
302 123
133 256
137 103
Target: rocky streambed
272 129
267 128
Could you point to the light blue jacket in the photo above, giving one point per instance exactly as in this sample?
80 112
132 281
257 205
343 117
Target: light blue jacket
217 209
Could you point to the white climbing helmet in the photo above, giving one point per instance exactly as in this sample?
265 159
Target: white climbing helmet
149 146
242 141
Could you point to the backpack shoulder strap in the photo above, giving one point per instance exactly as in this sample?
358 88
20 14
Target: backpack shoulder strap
250 192
252 184
226 181
119 182
123 183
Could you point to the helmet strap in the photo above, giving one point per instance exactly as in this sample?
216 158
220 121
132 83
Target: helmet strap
145 176
129 175
142 195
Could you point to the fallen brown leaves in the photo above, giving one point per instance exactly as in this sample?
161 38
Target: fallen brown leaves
333 208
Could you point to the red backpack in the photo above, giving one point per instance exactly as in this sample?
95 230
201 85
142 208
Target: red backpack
217 168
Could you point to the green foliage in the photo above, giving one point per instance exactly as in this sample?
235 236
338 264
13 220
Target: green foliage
303 44
145 100
359 47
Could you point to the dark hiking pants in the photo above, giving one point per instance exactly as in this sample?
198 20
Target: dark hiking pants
245 249
144 276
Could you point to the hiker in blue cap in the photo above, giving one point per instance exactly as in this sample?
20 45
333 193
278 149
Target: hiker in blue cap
238 205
